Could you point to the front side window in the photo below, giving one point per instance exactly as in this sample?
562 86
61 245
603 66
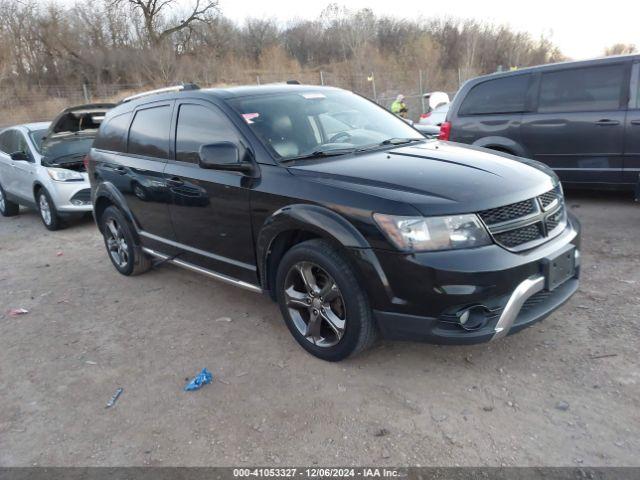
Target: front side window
502 95
582 89
197 126
296 124
149 134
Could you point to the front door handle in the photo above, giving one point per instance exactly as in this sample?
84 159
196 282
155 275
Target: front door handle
635 122
605 122
175 181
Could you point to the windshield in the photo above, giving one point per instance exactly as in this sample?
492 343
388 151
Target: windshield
305 123
36 138
56 150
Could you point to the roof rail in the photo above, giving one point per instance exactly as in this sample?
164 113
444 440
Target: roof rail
175 88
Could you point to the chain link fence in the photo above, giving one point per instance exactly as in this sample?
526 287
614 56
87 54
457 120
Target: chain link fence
22 104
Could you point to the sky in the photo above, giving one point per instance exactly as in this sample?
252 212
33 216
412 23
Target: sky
581 29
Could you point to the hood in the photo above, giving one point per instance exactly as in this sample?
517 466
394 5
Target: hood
79 118
435 177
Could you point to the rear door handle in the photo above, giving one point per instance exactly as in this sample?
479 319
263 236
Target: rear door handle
175 181
635 122
120 170
607 122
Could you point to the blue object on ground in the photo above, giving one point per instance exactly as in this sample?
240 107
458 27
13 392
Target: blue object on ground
199 380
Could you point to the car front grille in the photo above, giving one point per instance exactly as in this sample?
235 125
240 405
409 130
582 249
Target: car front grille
526 224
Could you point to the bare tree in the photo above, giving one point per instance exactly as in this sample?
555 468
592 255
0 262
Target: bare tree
620 49
156 24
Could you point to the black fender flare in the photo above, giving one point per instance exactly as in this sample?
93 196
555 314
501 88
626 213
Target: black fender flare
112 194
325 223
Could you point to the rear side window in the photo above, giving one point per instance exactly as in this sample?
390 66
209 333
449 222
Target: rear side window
502 95
113 134
149 133
9 141
582 89
197 126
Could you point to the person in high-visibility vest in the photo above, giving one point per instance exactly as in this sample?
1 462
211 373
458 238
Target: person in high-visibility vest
399 107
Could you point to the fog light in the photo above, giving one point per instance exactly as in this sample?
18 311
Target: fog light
77 203
473 318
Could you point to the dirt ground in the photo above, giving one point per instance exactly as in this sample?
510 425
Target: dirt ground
564 392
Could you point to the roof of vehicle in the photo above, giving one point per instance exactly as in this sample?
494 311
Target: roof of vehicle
559 65
29 126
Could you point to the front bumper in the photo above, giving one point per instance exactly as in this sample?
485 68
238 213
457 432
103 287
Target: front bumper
427 291
71 197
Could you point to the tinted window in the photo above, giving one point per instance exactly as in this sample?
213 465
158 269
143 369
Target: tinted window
113 134
582 89
9 141
149 134
503 95
197 126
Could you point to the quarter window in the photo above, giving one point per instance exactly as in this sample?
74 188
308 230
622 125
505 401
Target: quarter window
502 95
113 134
197 126
149 134
582 89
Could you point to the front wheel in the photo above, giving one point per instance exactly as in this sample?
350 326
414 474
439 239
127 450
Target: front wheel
48 212
323 305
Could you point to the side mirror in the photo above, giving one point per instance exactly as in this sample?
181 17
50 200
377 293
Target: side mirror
223 156
20 157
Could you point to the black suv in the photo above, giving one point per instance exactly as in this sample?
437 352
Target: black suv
339 210
580 118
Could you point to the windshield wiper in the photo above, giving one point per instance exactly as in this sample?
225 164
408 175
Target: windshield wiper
320 154
390 141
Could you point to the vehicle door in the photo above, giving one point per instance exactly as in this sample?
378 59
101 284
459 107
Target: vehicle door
631 163
131 155
578 127
23 170
8 144
210 208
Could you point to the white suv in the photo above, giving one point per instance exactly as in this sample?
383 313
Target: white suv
48 175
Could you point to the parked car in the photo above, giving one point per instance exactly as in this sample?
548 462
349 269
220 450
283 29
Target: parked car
369 229
435 117
41 165
580 118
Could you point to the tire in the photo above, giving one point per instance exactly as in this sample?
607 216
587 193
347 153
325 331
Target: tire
125 254
7 207
47 211
347 308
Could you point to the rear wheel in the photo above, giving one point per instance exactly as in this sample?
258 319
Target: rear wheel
7 207
48 212
124 253
322 302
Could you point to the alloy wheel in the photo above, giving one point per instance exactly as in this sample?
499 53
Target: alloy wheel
315 304
116 243
45 209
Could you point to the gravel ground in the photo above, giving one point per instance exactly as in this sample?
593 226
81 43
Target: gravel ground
564 392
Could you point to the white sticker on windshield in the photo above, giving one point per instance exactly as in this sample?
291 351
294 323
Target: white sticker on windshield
312 96
248 117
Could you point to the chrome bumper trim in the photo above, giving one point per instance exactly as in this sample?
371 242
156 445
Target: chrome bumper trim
526 289
204 271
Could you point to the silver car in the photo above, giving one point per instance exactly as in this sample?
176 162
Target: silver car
41 165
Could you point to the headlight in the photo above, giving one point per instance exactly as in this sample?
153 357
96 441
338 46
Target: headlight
412 234
63 175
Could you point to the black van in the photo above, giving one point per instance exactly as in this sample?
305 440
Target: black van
580 118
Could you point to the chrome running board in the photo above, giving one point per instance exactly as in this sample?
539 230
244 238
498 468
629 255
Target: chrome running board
217 276
526 289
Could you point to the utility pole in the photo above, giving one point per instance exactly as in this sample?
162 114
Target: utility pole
321 78
422 94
